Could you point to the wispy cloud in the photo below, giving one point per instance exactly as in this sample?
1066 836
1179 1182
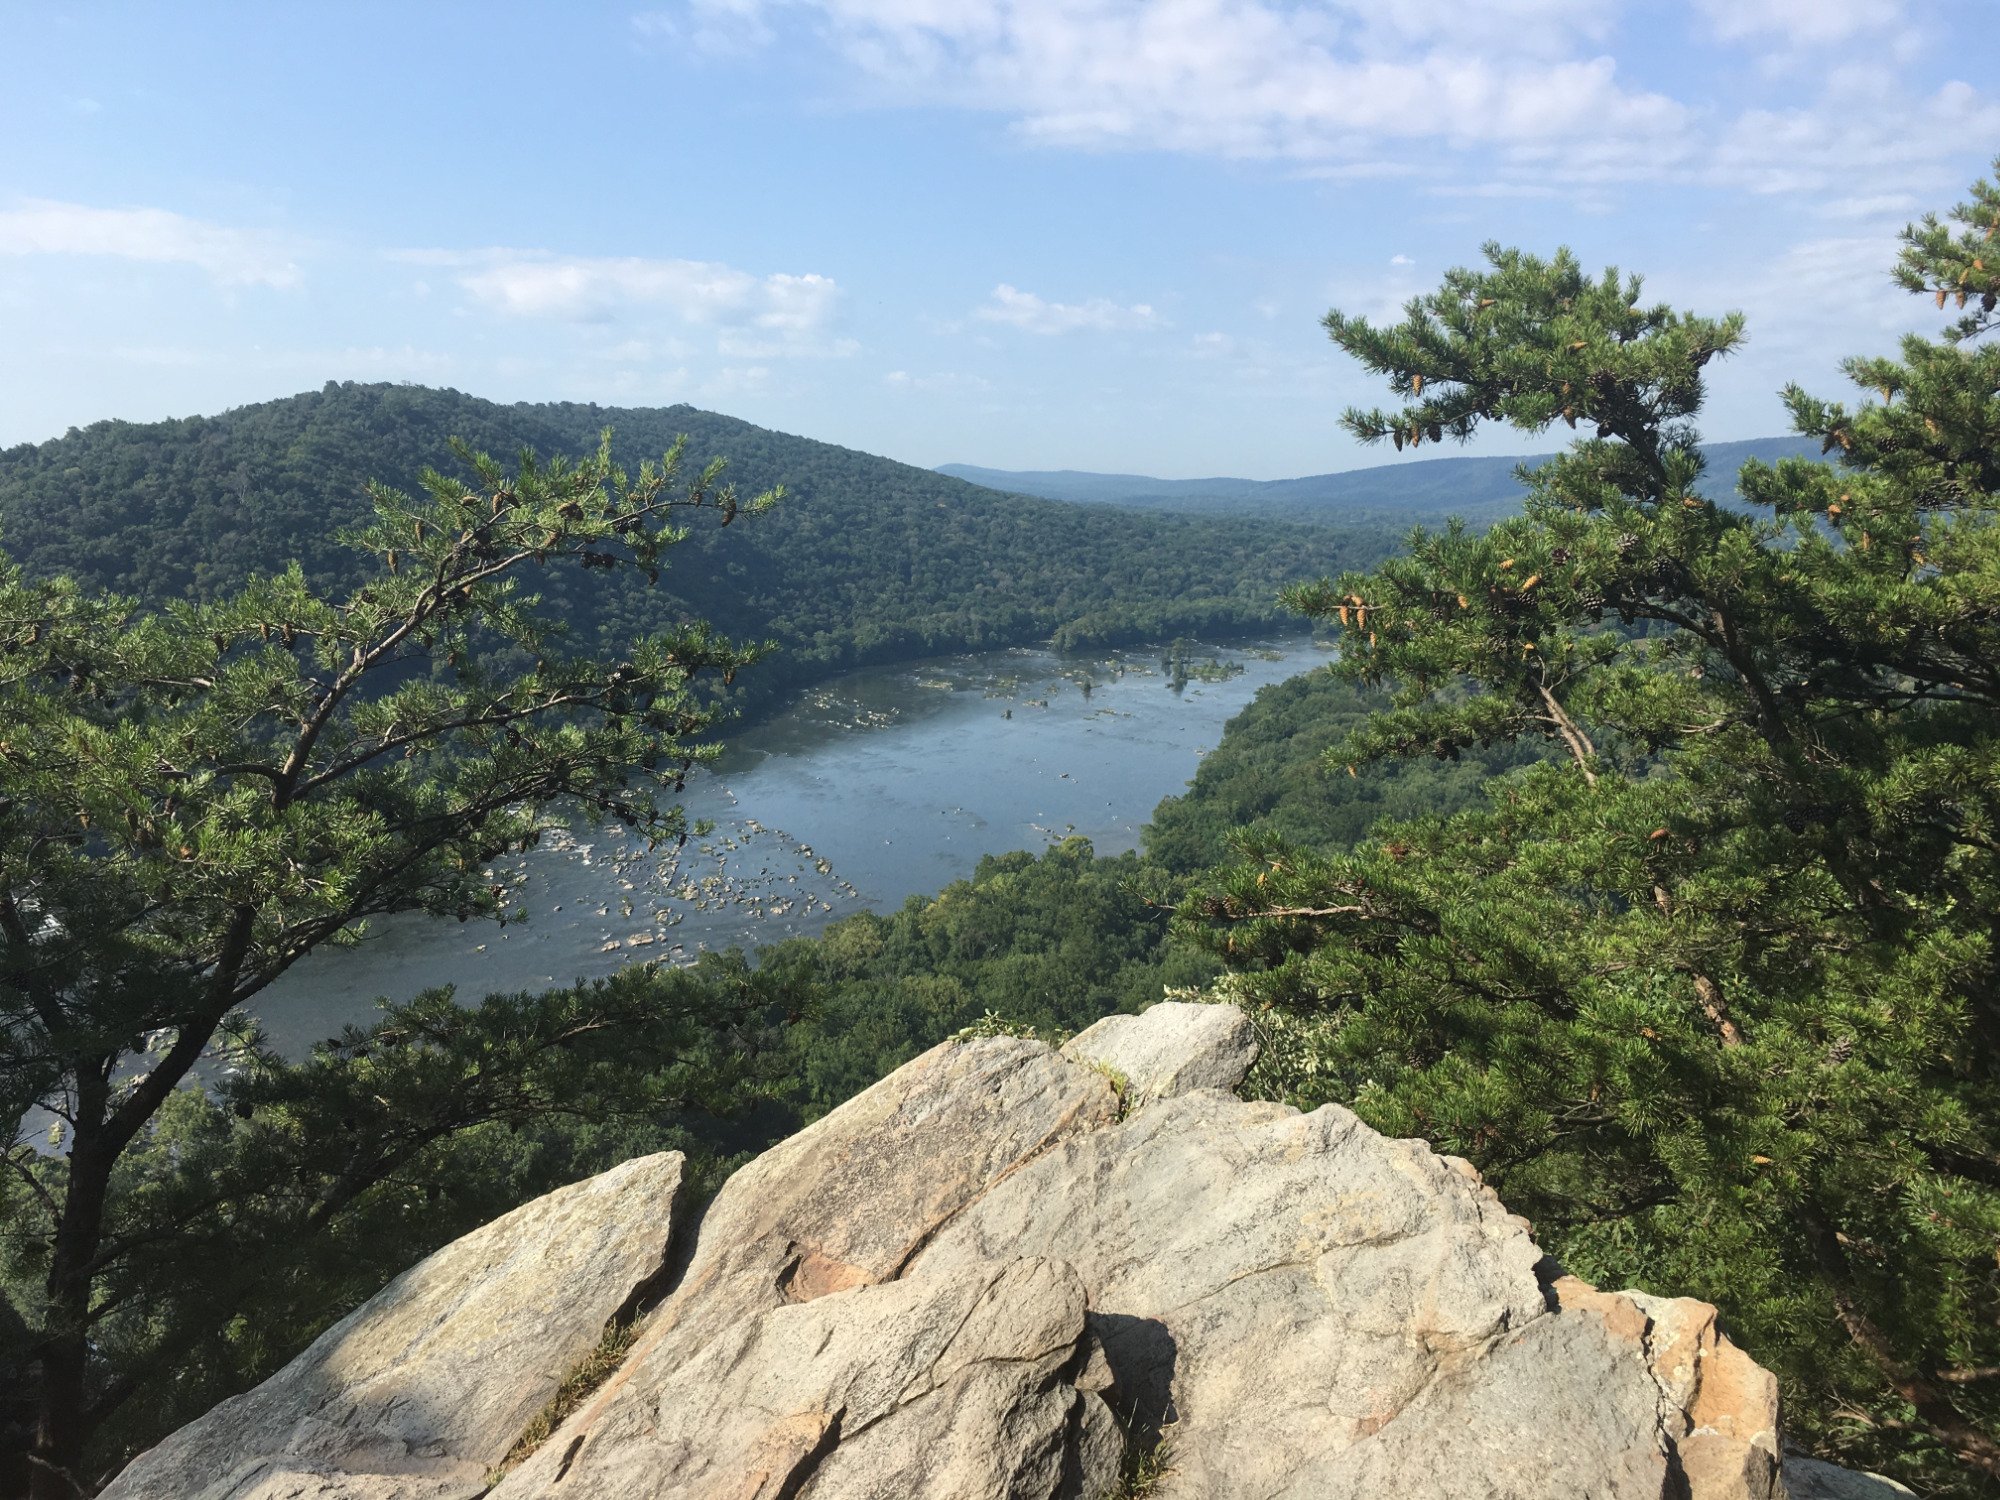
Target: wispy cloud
1033 314
940 380
1801 22
1235 77
1485 97
716 28
756 317
42 226
1863 139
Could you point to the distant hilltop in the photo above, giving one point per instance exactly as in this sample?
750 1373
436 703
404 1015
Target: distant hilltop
867 560
1479 489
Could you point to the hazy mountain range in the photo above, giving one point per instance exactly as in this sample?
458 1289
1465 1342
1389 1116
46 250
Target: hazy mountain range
1416 489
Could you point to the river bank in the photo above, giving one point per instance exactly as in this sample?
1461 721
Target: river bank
864 790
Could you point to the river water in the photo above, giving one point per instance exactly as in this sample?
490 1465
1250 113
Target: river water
868 789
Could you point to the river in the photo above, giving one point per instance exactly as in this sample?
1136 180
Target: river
868 789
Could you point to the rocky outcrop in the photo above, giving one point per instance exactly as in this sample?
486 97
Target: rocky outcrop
998 1273
422 1390
1174 1048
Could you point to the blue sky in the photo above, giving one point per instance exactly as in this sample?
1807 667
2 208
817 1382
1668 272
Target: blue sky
1095 234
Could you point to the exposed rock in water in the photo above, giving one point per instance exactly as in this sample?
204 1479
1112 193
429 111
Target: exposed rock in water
999 1272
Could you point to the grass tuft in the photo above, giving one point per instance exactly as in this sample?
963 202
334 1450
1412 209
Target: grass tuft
584 1377
1144 1471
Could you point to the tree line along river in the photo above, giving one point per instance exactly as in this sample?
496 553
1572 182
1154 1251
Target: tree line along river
866 790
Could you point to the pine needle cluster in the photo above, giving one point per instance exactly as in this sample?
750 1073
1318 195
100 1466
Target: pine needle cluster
1712 994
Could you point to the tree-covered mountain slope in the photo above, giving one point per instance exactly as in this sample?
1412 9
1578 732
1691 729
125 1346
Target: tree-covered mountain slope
1401 494
866 560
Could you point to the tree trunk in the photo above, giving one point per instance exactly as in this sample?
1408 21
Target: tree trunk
1937 1415
62 1423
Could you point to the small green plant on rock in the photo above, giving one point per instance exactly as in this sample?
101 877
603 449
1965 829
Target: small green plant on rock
1145 1469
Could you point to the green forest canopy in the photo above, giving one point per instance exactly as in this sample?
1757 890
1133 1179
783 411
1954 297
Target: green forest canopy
866 559
1711 990
1681 927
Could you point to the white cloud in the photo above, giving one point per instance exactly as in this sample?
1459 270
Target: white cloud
1903 206
758 316
1816 23
1864 139
1509 98
1033 314
1789 298
1401 260
1242 77
234 257
796 304
591 290
790 346
716 28
644 351
940 380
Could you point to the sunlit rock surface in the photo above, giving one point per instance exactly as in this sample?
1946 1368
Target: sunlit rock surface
1005 1271
424 1388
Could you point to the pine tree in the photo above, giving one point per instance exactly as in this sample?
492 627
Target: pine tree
193 800
1713 993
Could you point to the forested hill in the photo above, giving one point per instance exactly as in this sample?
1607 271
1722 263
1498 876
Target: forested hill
1401 494
867 559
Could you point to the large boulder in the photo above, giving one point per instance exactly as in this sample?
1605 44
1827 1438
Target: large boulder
1001 1271
842 1206
1176 1047
1321 1312
422 1390
959 1384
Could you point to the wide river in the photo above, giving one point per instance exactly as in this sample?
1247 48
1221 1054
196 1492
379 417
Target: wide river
868 789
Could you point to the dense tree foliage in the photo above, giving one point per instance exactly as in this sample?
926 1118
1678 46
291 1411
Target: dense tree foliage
1713 995
252 1213
235 1261
868 561
193 799
1269 777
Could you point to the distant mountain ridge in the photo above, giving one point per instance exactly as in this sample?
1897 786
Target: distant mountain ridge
868 560
1416 490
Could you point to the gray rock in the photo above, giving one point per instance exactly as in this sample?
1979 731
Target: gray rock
844 1204
977 1277
423 1389
952 1385
1322 1312
1173 1048
1809 1479
1284 1287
